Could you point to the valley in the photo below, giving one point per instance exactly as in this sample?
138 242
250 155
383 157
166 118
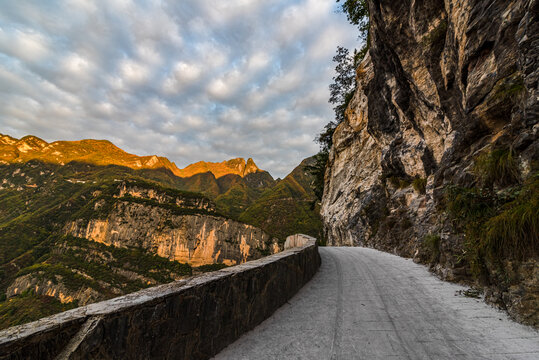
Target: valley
84 221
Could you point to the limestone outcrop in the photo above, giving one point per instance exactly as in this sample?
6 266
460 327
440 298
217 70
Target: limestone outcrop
443 82
179 228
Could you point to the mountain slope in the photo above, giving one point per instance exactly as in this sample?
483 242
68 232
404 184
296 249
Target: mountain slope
83 221
233 184
287 208
80 233
96 152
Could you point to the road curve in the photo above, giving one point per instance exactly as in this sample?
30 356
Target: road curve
366 304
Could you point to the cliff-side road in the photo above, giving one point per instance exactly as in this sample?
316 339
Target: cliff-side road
366 304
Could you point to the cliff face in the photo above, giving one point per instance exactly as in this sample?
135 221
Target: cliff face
160 224
444 81
194 239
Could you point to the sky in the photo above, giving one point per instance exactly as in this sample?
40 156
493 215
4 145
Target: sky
190 79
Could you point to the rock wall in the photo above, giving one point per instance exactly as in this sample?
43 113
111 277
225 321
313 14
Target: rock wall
195 239
187 319
443 81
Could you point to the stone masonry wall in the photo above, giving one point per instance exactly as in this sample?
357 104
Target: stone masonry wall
188 319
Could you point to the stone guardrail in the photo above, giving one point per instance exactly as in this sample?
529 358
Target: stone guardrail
297 240
193 318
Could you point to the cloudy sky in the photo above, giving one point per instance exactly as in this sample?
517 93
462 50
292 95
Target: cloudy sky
189 79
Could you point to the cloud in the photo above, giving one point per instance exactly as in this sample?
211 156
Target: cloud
191 80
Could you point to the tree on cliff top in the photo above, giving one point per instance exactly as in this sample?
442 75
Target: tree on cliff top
357 12
343 87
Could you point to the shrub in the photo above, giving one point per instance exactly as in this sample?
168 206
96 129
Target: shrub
398 182
469 204
498 226
436 35
420 185
210 267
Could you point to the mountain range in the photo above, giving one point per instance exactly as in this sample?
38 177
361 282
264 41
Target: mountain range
82 221
239 188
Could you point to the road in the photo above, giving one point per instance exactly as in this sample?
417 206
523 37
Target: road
366 304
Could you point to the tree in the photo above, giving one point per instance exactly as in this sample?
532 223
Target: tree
357 12
344 83
343 87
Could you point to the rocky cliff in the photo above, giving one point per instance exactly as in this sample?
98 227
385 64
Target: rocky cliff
195 239
180 227
446 103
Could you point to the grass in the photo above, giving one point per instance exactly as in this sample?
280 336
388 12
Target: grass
499 225
29 307
398 182
497 167
469 204
431 244
210 267
514 232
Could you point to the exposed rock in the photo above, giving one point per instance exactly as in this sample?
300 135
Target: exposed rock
54 288
443 80
195 239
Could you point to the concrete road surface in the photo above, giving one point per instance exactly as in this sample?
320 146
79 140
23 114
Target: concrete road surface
366 304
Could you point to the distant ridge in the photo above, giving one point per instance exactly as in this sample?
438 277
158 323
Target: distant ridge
236 166
103 152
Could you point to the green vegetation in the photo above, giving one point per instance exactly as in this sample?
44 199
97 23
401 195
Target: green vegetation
437 35
431 244
514 232
210 267
32 221
342 89
40 197
236 200
499 225
153 185
357 12
172 208
160 269
287 208
29 307
497 167
420 185
318 172
509 88
398 182
80 264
